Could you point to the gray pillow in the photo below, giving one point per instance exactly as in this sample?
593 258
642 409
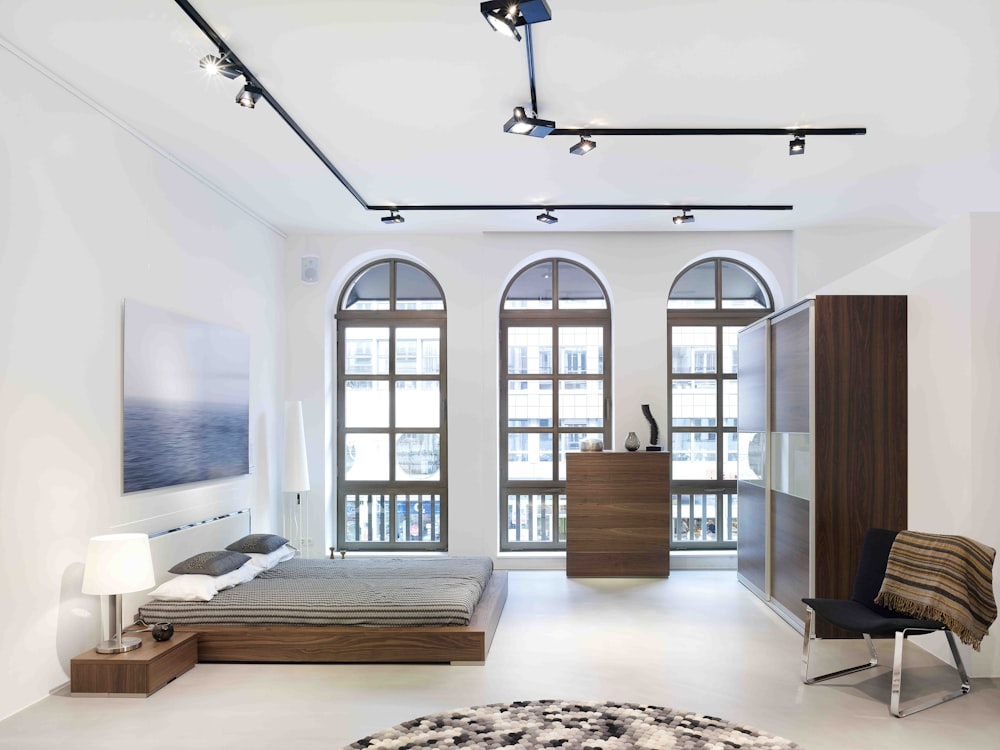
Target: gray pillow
215 563
258 543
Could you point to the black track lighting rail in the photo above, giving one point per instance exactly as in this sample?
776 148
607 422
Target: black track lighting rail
228 54
231 57
587 207
576 132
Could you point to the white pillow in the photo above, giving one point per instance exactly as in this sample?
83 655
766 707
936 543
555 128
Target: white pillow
190 587
266 561
194 587
246 572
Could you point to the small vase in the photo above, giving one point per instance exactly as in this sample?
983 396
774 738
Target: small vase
631 442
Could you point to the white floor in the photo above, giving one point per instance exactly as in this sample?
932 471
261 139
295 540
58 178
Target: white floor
697 641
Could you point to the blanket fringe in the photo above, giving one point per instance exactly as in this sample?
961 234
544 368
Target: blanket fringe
925 612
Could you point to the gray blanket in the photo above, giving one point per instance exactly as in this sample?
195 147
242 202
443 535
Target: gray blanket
375 592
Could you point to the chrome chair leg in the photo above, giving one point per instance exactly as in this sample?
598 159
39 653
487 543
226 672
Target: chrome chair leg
810 635
897 679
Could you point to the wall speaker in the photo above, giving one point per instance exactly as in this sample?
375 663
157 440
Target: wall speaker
310 269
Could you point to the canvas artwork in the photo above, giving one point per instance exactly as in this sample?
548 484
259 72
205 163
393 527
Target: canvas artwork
186 400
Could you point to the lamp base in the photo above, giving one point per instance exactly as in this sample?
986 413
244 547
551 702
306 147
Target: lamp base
116 646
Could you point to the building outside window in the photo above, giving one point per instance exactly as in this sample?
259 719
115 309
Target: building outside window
709 303
392 489
553 311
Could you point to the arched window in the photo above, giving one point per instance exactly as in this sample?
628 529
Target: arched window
709 303
555 385
392 488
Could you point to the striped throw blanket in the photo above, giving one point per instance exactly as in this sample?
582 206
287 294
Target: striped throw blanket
944 578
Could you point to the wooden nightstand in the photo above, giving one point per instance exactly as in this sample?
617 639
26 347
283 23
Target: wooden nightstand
137 673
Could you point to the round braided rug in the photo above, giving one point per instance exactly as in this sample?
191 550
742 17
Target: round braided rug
572 725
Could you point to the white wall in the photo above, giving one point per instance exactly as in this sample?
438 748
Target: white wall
89 215
951 277
473 269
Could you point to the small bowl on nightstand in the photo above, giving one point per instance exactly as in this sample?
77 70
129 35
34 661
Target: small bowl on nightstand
590 445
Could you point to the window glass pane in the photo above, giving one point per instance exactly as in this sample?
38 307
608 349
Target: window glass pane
695 288
695 518
369 457
529 351
581 350
418 403
418 518
529 403
529 518
729 403
693 403
418 351
532 290
693 456
366 351
370 291
415 290
730 346
581 403
730 461
366 403
366 518
529 455
418 456
561 520
570 441
578 289
741 290
693 349
704 517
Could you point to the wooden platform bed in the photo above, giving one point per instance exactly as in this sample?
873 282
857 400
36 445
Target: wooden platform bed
455 644
320 643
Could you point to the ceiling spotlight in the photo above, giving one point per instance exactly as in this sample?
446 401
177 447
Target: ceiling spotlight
583 147
249 95
521 124
797 145
684 218
218 65
393 218
501 17
506 15
546 218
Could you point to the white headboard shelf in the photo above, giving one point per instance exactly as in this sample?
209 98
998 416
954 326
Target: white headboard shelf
170 546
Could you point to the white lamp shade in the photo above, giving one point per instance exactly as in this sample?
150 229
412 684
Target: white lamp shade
296 474
118 564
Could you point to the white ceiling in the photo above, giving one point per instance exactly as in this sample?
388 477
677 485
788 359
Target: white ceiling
408 97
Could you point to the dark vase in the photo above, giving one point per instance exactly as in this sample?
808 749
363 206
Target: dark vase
631 442
162 631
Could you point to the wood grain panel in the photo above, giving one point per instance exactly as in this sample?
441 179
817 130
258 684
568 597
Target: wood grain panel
346 644
619 564
861 452
751 382
790 368
139 672
790 554
617 511
751 552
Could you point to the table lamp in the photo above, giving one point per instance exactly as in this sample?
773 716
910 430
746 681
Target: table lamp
117 564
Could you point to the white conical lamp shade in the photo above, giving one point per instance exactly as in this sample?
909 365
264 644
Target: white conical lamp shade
118 564
296 475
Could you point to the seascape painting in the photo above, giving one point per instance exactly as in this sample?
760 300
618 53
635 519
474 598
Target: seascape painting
186 400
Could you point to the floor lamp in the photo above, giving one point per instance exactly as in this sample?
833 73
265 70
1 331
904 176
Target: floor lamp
296 474
117 564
